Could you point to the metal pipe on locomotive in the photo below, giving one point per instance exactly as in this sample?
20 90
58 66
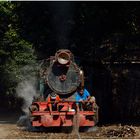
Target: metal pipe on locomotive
62 76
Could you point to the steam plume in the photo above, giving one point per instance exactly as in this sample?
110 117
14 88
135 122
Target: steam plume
26 90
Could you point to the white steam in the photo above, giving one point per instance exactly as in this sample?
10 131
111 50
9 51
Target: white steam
27 90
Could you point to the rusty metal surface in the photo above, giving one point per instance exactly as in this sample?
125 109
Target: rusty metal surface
71 82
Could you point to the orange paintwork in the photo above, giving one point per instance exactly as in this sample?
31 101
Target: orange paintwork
62 117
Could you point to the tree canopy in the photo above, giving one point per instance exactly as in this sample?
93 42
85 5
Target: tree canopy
15 51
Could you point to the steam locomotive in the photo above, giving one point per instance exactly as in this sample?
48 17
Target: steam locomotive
61 76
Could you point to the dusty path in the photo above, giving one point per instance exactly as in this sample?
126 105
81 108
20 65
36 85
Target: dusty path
8 121
6 129
15 133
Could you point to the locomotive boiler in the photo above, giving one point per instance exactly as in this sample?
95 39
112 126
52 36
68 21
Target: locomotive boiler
61 76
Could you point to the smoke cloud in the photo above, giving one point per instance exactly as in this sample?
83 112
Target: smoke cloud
26 89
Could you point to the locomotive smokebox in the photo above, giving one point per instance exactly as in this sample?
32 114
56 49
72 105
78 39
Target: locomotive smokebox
63 74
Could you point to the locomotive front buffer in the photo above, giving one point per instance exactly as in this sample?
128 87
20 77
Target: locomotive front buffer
65 115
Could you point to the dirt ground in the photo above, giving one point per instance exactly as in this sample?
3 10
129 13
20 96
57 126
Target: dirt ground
10 130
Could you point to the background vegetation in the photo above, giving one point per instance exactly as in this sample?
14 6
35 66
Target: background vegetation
103 35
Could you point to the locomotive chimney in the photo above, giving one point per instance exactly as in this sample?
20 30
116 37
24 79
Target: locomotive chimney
63 57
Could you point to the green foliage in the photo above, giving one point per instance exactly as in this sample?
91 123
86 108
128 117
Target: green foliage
15 52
